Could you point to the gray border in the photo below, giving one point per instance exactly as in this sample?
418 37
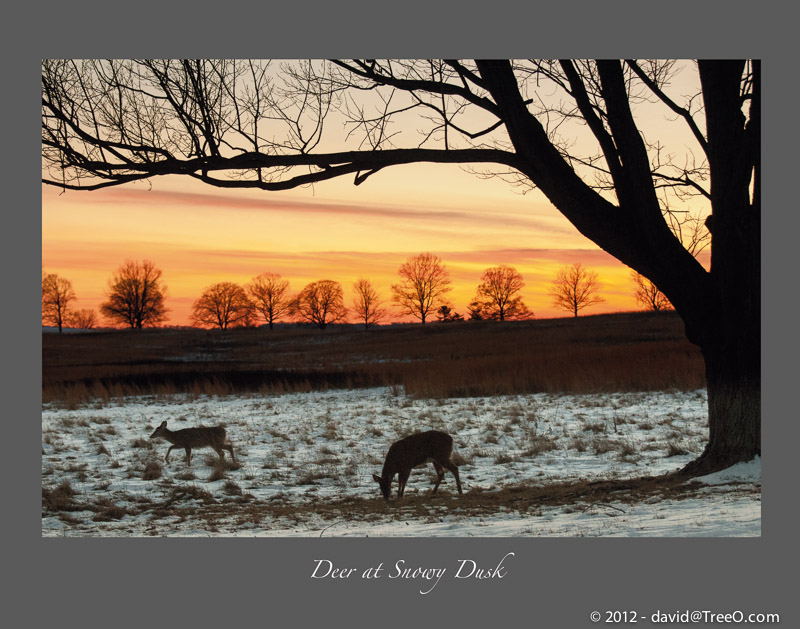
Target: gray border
551 583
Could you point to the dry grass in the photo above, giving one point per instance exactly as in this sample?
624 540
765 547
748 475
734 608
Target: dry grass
152 470
59 499
538 444
623 352
191 502
674 449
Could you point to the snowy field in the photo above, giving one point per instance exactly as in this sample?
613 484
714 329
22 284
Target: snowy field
305 463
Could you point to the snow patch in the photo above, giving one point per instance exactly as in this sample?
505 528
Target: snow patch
299 449
749 472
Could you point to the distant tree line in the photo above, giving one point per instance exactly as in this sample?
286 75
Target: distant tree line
136 297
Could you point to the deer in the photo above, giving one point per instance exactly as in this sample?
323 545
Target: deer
188 438
414 451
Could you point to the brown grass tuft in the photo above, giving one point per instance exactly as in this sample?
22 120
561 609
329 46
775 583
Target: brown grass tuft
59 499
152 470
674 449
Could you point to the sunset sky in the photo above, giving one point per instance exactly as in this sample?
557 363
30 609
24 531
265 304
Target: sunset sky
199 235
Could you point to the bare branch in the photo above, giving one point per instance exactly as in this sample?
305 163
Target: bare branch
681 111
373 72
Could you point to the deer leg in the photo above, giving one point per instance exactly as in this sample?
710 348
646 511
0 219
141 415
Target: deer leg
230 449
188 454
166 458
453 468
219 452
439 476
402 479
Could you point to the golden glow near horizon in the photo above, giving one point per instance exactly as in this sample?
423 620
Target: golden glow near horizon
200 235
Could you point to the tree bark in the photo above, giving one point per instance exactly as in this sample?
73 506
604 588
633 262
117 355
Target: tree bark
732 343
734 408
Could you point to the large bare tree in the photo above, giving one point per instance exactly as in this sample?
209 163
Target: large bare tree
136 295
321 303
571 128
269 294
368 305
424 284
498 295
57 294
575 288
223 305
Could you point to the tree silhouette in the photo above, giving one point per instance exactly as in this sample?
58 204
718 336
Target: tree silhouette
320 303
424 282
497 295
575 288
136 296
83 319
648 295
477 311
223 305
238 124
268 293
367 303
446 313
57 294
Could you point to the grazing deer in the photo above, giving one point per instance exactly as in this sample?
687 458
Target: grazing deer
414 451
189 438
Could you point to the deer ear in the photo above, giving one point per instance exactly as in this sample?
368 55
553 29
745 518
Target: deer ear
163 424
376 478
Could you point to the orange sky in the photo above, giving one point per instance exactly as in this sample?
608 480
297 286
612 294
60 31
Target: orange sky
200 235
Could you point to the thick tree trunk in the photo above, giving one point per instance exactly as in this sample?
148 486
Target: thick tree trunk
731 346
734 407
731 340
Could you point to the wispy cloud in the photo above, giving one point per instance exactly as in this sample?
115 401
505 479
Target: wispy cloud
268 203
402 218
595 257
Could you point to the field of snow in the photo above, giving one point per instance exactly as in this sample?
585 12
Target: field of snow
305 463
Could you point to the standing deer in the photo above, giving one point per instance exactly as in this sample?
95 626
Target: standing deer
414 451
188 438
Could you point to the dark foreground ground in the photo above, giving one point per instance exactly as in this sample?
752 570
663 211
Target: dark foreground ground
604 353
